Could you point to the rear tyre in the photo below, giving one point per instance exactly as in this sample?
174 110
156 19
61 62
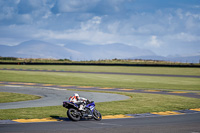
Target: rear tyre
73 114
97 115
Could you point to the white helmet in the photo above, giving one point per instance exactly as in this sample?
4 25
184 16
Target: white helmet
76 94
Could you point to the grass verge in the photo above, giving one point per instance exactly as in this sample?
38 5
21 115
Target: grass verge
118 69
102 80
6 97
138 103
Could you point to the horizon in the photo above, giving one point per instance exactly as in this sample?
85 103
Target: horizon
115 60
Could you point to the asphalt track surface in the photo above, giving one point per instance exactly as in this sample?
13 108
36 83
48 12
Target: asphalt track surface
53 96
189 123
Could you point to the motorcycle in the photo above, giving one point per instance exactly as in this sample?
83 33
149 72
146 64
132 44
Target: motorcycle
75 114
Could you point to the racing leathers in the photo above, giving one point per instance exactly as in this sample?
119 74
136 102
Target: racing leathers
80 101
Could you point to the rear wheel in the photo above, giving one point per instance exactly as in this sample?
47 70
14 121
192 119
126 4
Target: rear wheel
73 114
97 115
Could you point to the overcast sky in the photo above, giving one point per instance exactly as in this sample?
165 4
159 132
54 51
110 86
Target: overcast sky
166 27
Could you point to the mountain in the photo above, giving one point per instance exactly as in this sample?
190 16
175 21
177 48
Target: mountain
36 49
109 51
72 50
77 51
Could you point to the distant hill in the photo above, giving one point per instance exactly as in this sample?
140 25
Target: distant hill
109 51
36 49
77 51
71 50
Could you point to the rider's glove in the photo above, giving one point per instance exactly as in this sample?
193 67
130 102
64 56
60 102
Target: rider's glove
88 101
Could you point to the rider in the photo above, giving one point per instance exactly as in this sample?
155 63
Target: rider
78 100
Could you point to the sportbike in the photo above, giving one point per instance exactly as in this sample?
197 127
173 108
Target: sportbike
75 114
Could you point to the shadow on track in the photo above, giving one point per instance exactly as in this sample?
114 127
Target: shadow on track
67 119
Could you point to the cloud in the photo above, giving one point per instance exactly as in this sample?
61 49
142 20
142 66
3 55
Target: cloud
154 41
66 6
183 37
155 25
179 13
22 11
28 6
92 24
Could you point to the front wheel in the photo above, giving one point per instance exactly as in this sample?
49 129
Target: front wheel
73 114
97 115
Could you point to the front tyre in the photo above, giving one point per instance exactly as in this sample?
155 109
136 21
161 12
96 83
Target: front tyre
73 114
97 115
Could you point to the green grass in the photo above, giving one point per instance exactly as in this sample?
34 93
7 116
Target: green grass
6 97
146 103
138 103
103 80
119 69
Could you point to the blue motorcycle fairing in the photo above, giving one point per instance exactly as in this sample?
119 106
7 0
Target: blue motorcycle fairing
91 106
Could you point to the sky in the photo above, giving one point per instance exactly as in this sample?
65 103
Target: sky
166 27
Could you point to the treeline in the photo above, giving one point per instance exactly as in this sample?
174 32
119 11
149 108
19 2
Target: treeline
8 58
115 61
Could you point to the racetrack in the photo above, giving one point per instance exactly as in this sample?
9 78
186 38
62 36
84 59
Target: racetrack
185 123
53 96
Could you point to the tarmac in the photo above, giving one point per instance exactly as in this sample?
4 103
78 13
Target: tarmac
51 96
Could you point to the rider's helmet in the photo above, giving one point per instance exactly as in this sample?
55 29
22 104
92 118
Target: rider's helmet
76 95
